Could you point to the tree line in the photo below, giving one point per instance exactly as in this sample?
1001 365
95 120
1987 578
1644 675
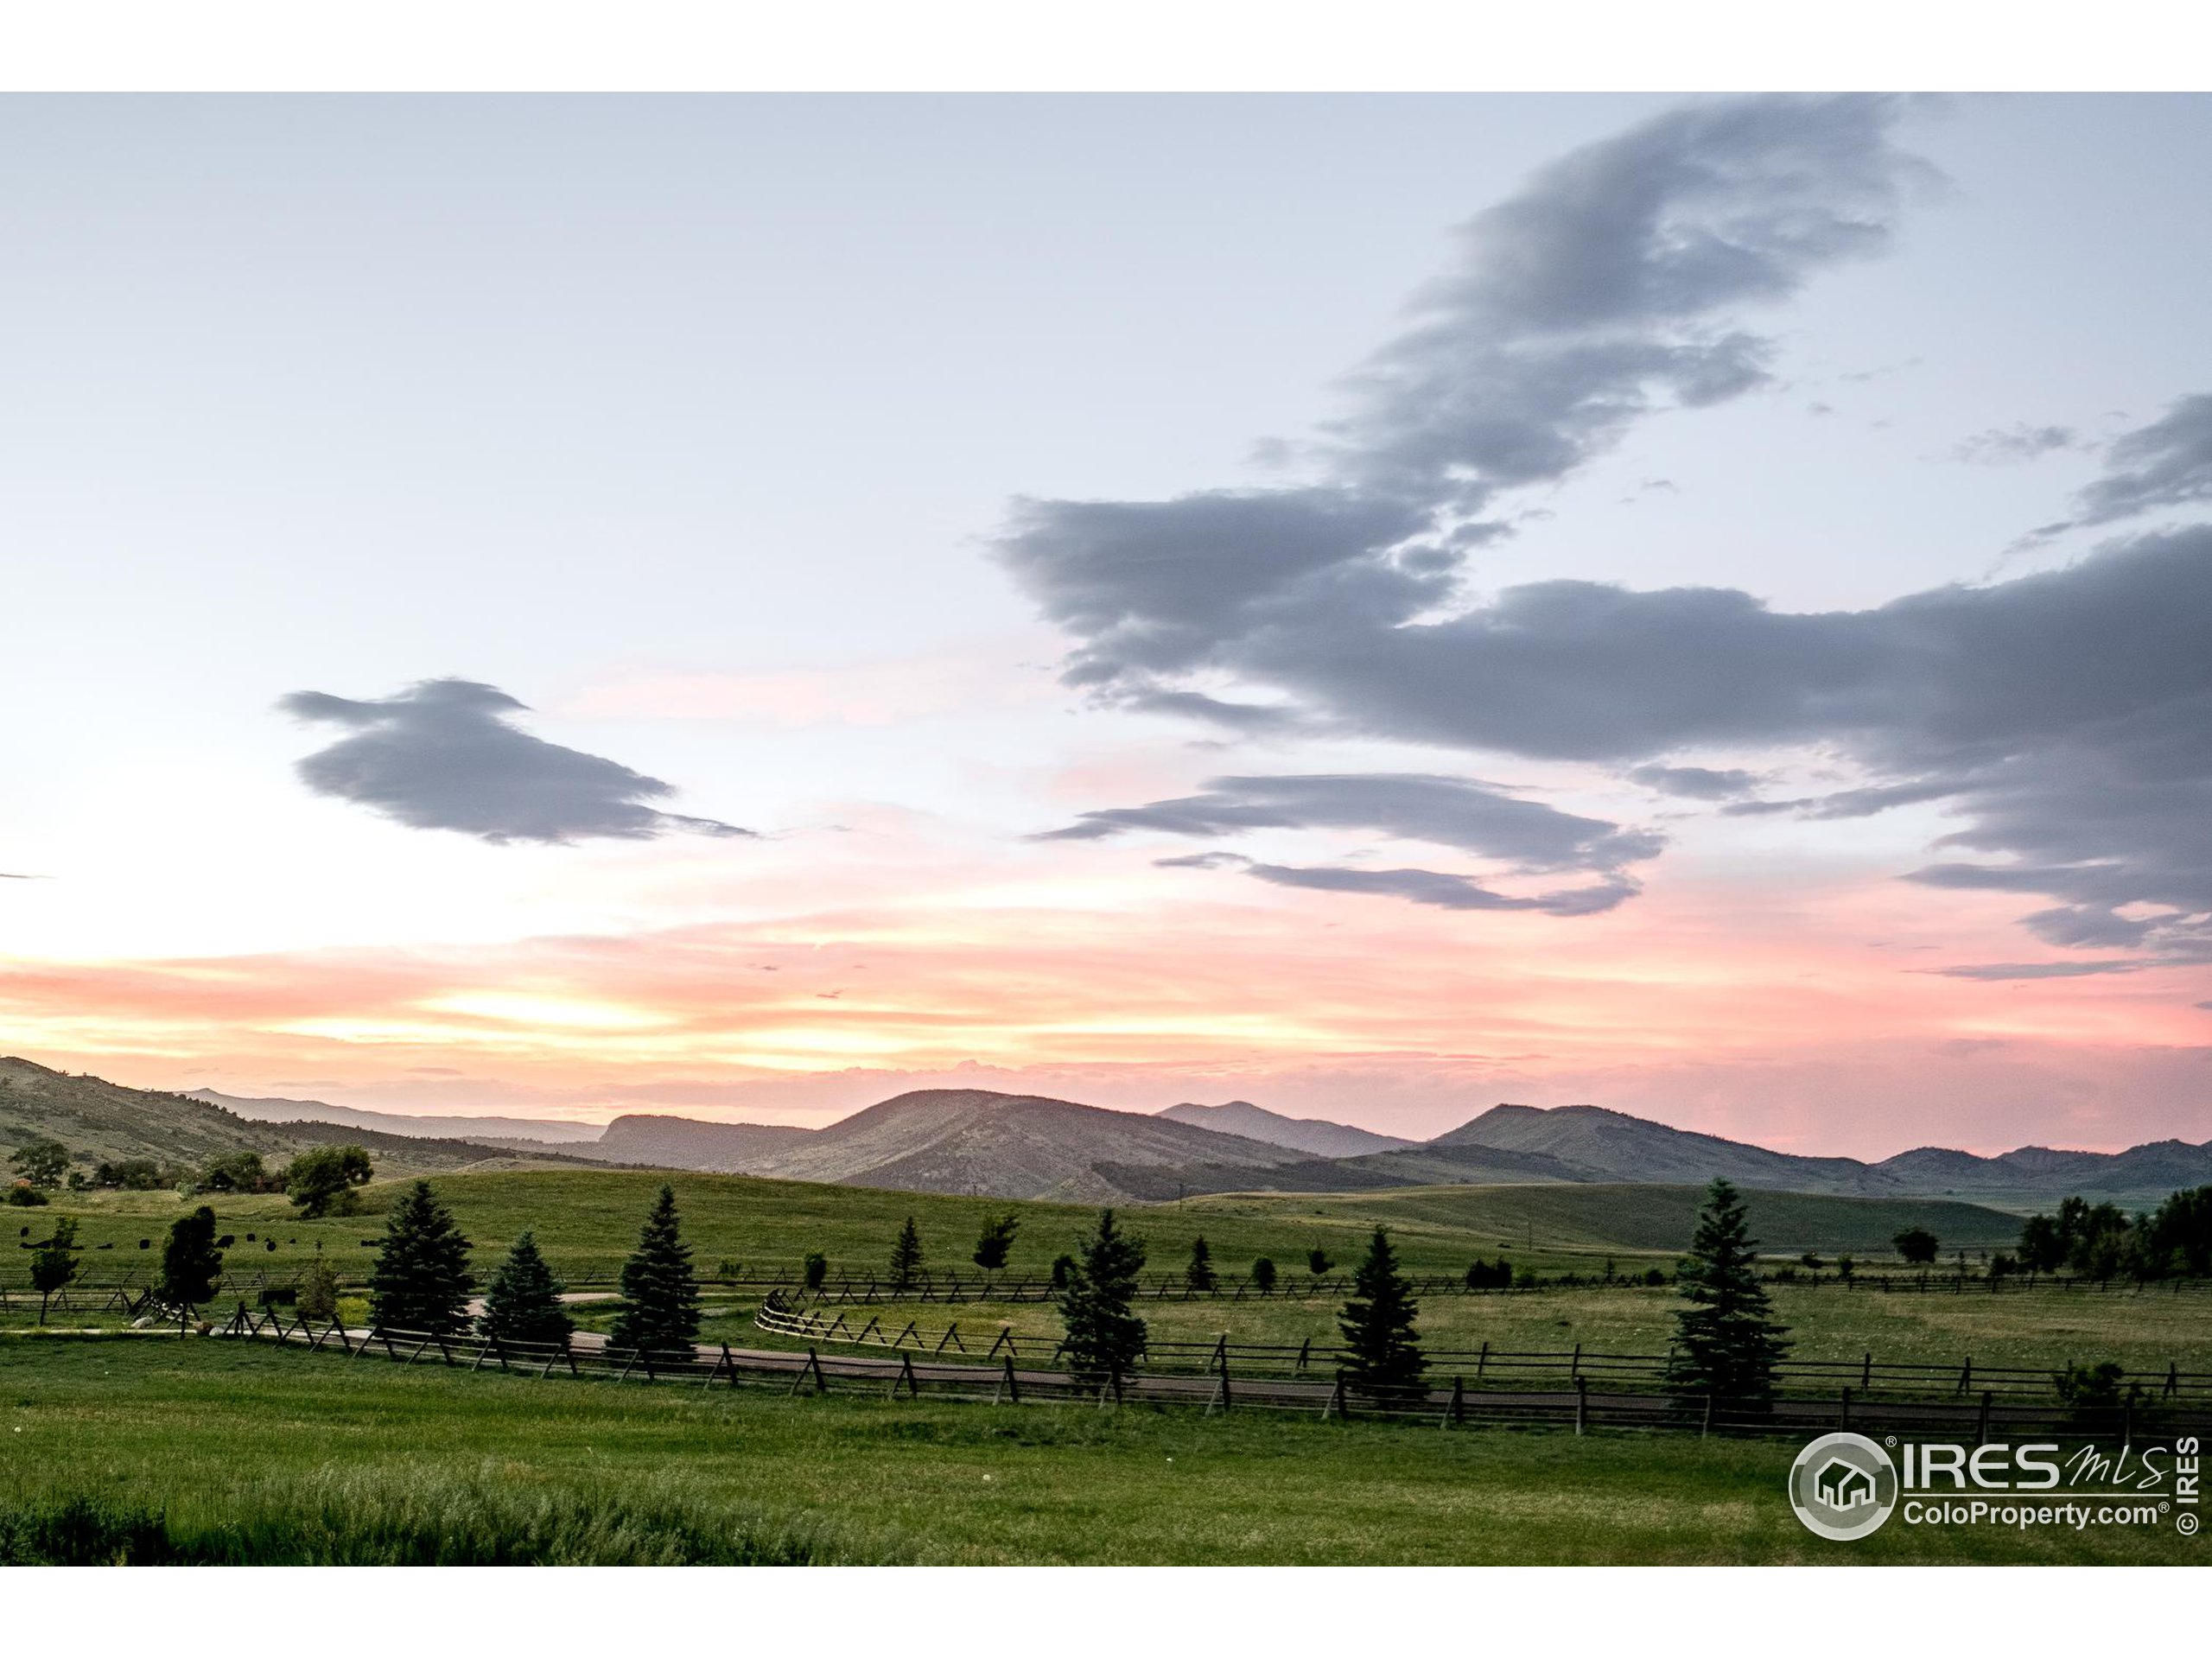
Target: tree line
321 1181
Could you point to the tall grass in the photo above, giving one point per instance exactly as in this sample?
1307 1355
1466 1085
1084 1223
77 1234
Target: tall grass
419 1515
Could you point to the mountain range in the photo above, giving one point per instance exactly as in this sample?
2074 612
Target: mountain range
973 1141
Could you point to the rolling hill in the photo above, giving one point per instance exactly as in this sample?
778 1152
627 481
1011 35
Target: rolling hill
1315 1136
1002 1146
545 1131
101 1122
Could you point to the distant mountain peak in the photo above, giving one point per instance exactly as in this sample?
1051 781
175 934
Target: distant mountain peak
1315 1135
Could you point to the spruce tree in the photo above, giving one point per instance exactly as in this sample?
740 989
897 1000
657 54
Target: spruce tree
660 1294
421 1281
1377 1322
522 1301
54 1263
191 1261
907 1257
1726 1342
1104 1338
993 1243
1199 1275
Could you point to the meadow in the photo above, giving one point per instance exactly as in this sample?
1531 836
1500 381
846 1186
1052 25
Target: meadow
587 1222
162 1448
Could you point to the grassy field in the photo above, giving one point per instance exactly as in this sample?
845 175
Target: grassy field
2041 1329
587 1222
162 1448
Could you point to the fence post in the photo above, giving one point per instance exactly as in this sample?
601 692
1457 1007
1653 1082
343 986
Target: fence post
1008 1387
2173 1376
1582 1403
1706 1428
1866 1371
1966 1376
1456 1412
1981 1432
1574 1368
906 1375
1336 1405
1843 1417
1305 1351
1482 1360
2127 1418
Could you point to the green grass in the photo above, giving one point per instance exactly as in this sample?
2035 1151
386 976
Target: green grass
161 1448
586 1221
2039 1329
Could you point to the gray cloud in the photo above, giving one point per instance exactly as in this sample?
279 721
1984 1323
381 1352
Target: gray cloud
1694 783
2001 445
2005 971
1415 806
443 755
1608 288
1528 837
2166 464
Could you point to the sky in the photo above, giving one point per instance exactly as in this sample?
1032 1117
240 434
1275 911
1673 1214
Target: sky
1375 606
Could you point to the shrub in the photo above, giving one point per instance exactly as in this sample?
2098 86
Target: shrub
1263 1275
816 1270
24 1196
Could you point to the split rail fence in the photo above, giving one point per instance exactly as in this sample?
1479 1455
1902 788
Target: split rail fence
1483 1367
1446 1402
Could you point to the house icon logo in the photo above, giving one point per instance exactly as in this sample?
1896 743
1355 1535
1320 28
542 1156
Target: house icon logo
1843 1486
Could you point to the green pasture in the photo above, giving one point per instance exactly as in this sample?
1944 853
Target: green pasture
161 1448
587 1223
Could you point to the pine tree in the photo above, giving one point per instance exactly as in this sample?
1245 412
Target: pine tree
1104 1338
191 1262
993 1243
421 1281
522 1301
54 1263
1199 1275
1726 1342
660 1294
1378 1322
907 1257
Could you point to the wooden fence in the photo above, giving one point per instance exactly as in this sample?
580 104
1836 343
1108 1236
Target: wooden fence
1484 1367
1445 1401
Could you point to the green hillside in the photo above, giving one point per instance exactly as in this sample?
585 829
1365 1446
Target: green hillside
101 1122
1629 1218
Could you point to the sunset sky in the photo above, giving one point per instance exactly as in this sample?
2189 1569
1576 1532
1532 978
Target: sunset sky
1375 606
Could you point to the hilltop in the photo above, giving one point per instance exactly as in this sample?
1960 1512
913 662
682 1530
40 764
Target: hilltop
102 1121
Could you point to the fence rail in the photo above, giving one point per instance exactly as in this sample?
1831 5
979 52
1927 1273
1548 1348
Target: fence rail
1444 1403
1485 1367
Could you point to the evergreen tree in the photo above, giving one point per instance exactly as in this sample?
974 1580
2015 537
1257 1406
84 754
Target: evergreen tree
54 1263
1199 1275
191 1261
421 1281
522 1301
1104 1338
907 1257
1378 1322
660 1295
1263 1275
1317 1261
815 1269
1726 1341
994 1241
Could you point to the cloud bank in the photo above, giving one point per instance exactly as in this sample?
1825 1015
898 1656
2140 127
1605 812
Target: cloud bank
2064 719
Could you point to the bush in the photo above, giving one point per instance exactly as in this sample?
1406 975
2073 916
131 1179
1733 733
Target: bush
1263 1275
24 1196
816 1270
